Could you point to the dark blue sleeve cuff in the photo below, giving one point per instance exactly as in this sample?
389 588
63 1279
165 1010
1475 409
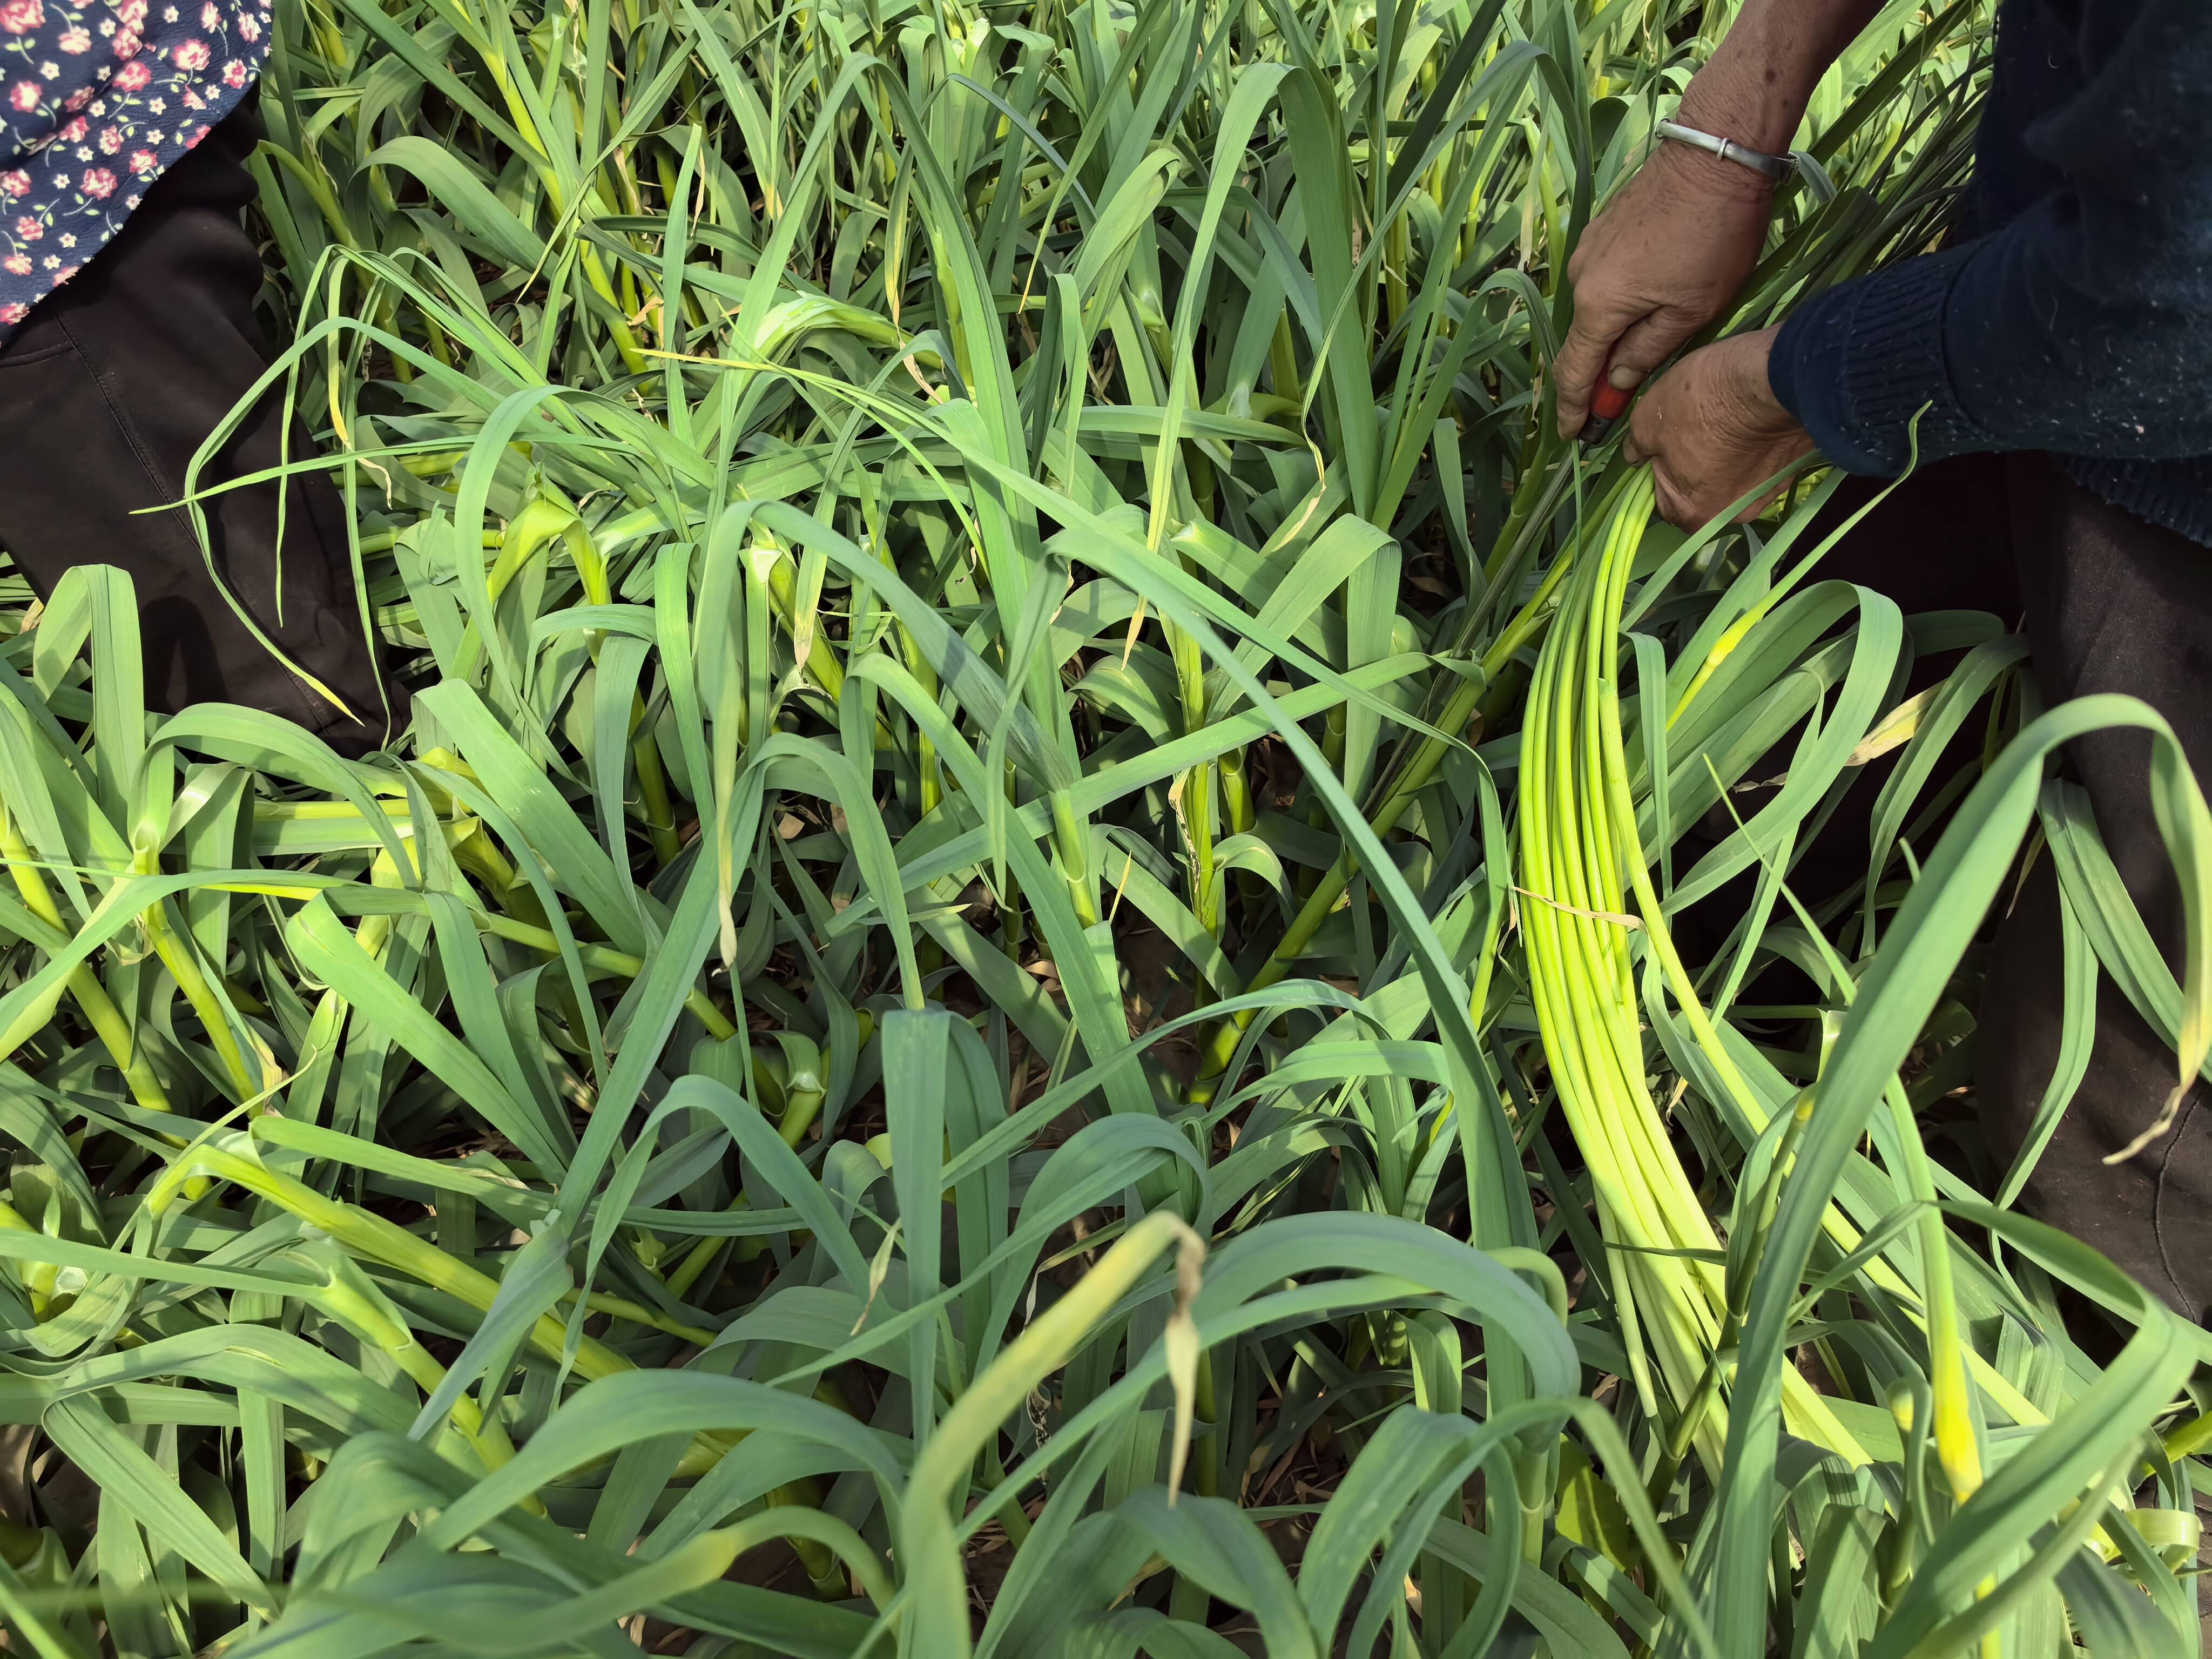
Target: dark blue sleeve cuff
1856 363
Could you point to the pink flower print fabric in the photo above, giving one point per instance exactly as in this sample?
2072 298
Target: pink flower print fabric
97 98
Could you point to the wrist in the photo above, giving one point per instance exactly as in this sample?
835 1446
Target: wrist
1766 123
1751 380
1751 94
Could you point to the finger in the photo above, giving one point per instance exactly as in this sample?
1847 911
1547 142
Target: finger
1574 371
1647 424
1674 504
1643 345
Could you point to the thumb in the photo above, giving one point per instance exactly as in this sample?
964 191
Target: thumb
1575 370
1646 428
1643 345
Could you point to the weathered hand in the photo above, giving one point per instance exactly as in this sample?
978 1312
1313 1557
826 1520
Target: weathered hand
1713 430
1661 262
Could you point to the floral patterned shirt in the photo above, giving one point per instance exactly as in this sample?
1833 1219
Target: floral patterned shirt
97 99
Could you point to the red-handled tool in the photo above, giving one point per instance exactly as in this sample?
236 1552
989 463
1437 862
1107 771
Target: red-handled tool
1609 402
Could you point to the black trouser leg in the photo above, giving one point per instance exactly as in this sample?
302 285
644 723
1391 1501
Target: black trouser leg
2111 604
107 392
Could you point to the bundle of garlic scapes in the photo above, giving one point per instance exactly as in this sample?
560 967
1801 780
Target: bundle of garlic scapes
1581 860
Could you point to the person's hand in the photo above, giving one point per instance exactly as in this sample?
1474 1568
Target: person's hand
1713 430
1669 253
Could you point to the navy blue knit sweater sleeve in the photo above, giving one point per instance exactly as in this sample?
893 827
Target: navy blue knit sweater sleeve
2082 324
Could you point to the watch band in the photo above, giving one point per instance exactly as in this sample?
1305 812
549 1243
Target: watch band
1772 167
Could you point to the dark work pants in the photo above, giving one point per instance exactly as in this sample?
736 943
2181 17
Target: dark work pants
108 389
2111 604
